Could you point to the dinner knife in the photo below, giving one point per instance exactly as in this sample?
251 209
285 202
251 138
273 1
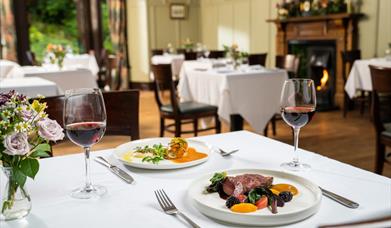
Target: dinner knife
340 199
114 169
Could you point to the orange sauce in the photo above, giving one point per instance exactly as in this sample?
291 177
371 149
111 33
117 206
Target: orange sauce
243 208
191 155
277 188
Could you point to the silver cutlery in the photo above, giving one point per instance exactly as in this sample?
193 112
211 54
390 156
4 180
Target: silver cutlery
340 199
114 169
226 153
169 208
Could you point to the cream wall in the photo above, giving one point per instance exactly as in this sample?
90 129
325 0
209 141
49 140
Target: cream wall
218 22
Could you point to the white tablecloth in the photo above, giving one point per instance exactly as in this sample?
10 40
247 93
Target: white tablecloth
255 95
176 62
360 75
31 86
136 206
6 66
83 61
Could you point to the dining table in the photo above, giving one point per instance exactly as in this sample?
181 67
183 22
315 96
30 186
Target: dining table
176 61
251 93
30 87
135 205
360 76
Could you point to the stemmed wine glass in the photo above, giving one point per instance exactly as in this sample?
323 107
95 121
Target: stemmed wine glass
298 103
85 124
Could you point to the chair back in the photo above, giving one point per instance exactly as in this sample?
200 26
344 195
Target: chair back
257 59
31 58
348 58
381 96
122 109
157 52
191 55
288 62
180 51
114 72
163 82
215 54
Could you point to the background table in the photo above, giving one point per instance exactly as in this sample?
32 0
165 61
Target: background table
31 86
136 206
82 61
6 66
173 59
255 94
360 75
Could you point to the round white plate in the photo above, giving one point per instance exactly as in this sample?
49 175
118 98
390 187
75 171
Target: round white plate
303 205
165 164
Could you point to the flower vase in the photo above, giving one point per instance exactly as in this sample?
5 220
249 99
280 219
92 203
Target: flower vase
60 62
15 200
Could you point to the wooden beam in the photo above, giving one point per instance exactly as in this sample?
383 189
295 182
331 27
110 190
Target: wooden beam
22 30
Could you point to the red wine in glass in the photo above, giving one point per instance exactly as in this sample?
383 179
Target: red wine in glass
297 116
85 134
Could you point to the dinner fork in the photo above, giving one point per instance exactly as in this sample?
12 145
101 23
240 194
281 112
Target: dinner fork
226 153
169 208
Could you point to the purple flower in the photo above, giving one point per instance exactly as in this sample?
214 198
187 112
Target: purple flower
50 130
16 144
26 113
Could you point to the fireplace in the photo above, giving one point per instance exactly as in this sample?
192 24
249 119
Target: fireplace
318 63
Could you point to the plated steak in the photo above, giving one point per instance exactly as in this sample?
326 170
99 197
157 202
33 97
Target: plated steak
244 183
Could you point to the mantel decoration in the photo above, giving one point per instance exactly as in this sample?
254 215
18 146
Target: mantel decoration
297 8
234 53
25 133
56 54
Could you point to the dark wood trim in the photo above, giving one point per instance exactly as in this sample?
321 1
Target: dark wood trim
22 30
318 18
146 86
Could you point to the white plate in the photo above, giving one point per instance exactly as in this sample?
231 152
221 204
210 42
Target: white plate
165 164
303 205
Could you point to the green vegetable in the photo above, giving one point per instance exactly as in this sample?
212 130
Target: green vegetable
158 150
253 196
216 182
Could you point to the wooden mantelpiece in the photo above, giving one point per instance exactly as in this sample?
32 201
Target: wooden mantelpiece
342 28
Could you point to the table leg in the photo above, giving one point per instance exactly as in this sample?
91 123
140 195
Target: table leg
236 122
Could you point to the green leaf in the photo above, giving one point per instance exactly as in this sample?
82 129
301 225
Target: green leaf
43 147
29 167
253 196
19 176
40 154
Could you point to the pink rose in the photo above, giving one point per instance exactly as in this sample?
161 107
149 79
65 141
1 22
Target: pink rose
16 144
50 130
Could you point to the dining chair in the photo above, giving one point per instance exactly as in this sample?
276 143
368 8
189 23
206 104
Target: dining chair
180 51
114 72
122 109
180 112
102 61
291 64
192 55
348 58
31 58
257 59
381 113
157 52
216 54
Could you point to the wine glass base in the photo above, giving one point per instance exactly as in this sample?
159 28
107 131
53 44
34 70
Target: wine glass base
90 192
295 166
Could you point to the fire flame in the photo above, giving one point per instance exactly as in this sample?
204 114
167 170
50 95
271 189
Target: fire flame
323 80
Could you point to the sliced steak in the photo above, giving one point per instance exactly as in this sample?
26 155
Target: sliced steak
244 183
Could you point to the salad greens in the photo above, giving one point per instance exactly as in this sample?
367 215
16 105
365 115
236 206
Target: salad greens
155 153
216 182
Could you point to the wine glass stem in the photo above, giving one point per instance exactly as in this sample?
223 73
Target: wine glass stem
87 164
296 132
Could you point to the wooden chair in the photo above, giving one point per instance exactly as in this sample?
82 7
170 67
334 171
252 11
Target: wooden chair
181 113
191 55
291 64
114 72
381 112
31 58
348 58
157 52
102 60
257 59
216 54
122 109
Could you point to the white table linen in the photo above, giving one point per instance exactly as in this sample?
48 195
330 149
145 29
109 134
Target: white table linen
360 75
30 86
82 61
6 67
176 61
136 206
255 94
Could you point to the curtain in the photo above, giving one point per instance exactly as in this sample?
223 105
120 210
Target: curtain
117 21
7 31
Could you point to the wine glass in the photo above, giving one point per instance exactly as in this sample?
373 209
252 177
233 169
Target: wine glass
85 124
298 103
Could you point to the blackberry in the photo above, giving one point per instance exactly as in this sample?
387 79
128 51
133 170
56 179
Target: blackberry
232 200
286 196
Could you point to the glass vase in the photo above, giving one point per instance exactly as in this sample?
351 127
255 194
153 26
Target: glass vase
15 200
